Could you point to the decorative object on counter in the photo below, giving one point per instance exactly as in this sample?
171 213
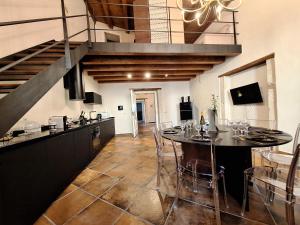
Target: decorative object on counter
93 115
31 126
212 114
60 121
120 108
82 119
99 116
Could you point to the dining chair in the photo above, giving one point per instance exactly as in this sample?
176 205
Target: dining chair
280 158
200 173
281 183
162 153
166 125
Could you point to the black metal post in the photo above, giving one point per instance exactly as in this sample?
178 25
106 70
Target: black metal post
170 25
66 36
234 27
88 24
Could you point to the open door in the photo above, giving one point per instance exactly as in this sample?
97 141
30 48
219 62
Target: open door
135 128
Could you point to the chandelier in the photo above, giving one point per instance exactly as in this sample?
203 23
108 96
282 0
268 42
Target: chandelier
202 9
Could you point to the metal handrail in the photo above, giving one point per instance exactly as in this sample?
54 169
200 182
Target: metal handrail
146 6
148 18
165 31
18 22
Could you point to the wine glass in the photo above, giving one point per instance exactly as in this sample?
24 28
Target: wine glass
234 126
182 127
198 128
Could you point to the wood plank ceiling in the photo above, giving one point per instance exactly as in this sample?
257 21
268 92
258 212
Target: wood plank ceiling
113 62
102 10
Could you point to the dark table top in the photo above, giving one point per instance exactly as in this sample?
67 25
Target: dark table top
225 138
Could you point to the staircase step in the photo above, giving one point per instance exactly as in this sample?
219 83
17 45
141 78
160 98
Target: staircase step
19 72
31 62
7 88
6 77
42 55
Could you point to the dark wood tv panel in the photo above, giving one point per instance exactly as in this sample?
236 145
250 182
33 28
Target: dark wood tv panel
36 169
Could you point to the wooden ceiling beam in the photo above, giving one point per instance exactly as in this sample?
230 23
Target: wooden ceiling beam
125 14
147 67
142 78
154 72
142 75
139 80
105 12
111 60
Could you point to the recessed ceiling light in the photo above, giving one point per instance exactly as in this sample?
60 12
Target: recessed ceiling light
166 75
129 75
147 75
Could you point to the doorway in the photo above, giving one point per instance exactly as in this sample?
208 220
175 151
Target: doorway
145 112
141 112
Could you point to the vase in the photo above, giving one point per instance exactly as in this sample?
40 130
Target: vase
212 120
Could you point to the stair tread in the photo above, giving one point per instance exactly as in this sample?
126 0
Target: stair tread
35 62
9 86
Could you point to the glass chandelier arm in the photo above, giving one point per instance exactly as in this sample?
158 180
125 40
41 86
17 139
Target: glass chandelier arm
230 8
205 19
193 10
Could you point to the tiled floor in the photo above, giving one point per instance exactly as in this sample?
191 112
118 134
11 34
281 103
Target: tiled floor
119 187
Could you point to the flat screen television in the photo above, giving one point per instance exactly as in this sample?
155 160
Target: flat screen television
248 94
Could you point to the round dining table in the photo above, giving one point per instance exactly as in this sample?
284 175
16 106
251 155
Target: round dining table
234 152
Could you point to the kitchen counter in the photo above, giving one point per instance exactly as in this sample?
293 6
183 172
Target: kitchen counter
37 136
36 168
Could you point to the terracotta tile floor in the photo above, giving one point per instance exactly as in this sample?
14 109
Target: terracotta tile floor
119 187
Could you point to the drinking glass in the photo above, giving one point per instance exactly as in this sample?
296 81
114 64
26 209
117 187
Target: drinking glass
234 126
182 127
247 126
198 128
241 128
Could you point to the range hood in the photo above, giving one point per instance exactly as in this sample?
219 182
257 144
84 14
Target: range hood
74 81
92 98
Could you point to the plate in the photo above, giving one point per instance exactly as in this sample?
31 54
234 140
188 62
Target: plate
263 139
200 138
272 132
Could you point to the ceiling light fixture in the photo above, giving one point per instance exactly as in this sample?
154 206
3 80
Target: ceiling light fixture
147 75
205 8
129 75
166 75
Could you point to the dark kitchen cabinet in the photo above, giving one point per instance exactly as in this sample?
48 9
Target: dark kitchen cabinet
33 174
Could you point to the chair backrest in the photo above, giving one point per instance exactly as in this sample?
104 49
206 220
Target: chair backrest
292 171
158 141
165 125
296 138
270 124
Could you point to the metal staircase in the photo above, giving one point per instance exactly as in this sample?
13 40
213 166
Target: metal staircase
17 75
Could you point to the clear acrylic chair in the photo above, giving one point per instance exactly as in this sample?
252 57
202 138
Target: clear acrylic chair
278 181
166 125
279 158
198 174
162 153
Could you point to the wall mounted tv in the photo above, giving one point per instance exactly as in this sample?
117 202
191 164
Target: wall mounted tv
246 94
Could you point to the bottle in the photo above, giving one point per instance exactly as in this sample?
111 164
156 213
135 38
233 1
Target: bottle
202 122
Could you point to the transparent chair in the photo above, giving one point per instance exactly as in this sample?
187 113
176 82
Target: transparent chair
166 125
279 158
198 174
162 153
268 124
278 181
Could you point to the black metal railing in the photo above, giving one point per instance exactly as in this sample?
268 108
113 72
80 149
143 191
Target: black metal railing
169 19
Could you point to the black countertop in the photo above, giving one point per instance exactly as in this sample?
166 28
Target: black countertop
225 138
38 136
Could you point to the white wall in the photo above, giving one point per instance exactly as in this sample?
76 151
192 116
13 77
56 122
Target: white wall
114 95
265 27
20 37
56 103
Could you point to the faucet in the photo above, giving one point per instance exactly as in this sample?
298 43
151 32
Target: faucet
90 113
